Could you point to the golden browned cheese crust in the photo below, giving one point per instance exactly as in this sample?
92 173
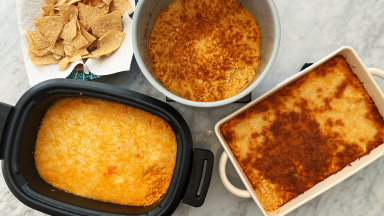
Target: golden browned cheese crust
106 151
304 133
205 50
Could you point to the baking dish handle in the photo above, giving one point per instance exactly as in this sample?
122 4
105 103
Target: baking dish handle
5 110
223 176
376 72
198 183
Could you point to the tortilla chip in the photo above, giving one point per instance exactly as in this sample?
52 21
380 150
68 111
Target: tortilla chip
90 55
83 24
40 52
48 8
77 25
63 63
68 12
51 1
67 42
95 2
44 60
102 6
74 58
106 23
69 30
29 35
72 51
32 51
36 52
72 1
50 27
58 37
89 14
57 56
107 55
79 41
109 43
60 2
63 30
107 1
69 49
105 8
87 36
120 5
82 51
36 18
58 49
92 46
39 40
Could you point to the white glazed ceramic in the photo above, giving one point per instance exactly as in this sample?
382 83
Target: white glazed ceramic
146 14
365 76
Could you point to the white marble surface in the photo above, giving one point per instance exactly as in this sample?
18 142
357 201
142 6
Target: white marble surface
310 31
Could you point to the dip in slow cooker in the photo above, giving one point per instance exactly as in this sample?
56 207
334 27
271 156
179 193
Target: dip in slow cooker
106 151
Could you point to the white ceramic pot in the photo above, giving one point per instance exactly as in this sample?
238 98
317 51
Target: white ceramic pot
365 76
146 14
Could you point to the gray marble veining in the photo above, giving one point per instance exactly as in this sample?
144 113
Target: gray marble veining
310 31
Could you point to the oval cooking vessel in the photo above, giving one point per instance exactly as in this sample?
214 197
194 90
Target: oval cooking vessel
18 130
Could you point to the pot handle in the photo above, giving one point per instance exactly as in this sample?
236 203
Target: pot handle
223 176
376 72
192 196
5 110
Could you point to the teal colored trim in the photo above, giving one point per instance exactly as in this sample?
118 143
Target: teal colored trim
80 75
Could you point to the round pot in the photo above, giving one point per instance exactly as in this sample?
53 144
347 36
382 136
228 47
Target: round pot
146 14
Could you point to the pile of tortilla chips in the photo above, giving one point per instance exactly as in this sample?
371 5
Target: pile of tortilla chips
71 30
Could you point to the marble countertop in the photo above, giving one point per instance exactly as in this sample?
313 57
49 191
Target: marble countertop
310 30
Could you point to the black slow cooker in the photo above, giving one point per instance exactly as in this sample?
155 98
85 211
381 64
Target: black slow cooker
18 132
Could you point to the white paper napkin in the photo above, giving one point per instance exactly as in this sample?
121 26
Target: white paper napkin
119 61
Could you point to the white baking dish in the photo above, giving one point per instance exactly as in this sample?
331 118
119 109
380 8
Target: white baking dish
365 76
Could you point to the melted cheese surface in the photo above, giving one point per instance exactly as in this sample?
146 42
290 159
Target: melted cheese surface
205 50
106 151
304 133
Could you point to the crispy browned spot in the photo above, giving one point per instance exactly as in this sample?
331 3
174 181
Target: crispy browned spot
110 171
339 122
294 150
205 50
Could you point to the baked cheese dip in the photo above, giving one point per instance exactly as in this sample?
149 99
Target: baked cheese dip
105 151
205 50
304 133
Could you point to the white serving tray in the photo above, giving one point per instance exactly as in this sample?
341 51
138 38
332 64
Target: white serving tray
365 76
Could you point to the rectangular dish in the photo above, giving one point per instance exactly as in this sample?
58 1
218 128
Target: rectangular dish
374 92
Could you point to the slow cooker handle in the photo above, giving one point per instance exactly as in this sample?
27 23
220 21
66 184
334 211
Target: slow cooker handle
191 196
5 110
